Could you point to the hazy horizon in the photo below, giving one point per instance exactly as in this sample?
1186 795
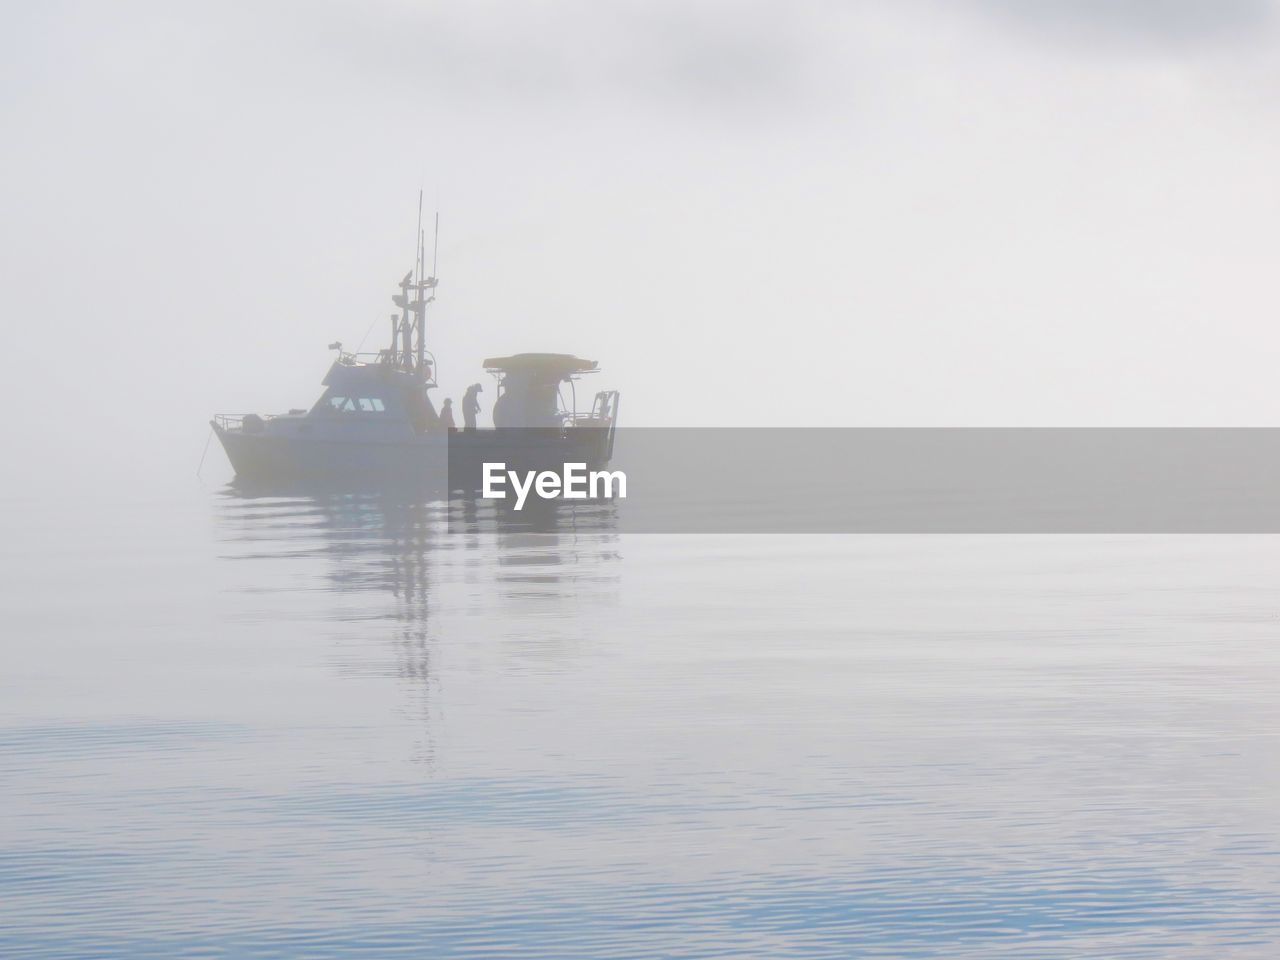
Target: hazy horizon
978 213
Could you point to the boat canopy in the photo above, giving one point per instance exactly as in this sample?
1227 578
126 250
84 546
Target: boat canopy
559 365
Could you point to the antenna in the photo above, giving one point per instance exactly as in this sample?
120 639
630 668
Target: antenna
417 260
435 249
427 282
419 305
406 354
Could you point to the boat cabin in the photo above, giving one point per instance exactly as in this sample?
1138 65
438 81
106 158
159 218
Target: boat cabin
378 390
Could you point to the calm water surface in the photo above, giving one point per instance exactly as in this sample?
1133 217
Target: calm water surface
328 727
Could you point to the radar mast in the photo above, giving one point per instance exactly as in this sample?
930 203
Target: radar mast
408 348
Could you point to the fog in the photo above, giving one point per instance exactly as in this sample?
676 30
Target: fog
987 212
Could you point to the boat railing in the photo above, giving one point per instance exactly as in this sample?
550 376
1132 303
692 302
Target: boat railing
603 416
389 358
349 359
245 422
229 421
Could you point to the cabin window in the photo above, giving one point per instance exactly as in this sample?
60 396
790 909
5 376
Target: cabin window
357 404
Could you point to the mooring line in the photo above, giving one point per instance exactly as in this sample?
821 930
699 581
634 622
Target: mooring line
205 453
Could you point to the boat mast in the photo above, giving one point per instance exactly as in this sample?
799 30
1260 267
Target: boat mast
406 328
425 284
420 308
409 335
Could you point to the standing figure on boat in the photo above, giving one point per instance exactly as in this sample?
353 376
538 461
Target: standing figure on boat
446 414
471 406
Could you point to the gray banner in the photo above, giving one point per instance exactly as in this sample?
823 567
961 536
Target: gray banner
930 480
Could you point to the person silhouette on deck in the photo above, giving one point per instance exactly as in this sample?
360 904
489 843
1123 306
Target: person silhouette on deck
446 414
471 406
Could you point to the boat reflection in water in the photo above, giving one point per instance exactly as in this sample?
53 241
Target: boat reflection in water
396 568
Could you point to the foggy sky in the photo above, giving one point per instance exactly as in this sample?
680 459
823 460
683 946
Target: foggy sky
985 212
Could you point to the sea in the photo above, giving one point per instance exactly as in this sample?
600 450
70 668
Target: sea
271 725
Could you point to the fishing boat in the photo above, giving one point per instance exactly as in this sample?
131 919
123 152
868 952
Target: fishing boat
376 419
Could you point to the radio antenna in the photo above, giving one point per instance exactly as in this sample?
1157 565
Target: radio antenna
435 248
417 260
